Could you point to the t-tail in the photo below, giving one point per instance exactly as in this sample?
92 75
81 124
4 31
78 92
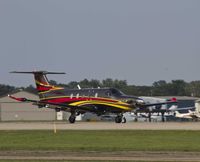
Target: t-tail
41 81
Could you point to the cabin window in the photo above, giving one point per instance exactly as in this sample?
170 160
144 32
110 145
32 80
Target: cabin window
108 94
77 96
96 95
71 96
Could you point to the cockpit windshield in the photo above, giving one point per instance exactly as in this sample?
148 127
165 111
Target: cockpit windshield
116 92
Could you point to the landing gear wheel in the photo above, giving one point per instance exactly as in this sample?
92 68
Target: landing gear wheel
118 119
72 119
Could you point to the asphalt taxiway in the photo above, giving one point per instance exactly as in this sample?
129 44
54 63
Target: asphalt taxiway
101 156
99 126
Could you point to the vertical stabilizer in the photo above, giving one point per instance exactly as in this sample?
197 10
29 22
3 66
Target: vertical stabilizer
41 81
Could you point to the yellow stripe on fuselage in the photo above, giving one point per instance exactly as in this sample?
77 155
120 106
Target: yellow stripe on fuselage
91 102
110 102
88 99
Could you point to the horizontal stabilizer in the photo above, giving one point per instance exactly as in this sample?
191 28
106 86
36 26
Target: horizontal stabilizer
17 98
36 72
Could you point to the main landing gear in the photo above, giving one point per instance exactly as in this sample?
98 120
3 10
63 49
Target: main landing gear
120 119
72 117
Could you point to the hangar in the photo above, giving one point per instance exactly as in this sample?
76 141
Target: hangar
11 110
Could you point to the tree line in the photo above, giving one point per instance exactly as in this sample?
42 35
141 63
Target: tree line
158 88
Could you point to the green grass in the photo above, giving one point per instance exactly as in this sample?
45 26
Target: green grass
59 161
74 161
64 161
113 140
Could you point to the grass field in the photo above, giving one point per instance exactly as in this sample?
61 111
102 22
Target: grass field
114 140
62 161
71 161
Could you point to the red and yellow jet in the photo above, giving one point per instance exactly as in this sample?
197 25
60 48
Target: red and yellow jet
79 101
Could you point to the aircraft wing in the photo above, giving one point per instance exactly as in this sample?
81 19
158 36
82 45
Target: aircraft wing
148 106
159 103
49 104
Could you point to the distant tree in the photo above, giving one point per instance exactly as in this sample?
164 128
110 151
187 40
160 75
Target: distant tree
6 89
178 88
95 83
160 88
193 88
73 84
107 82
31 89
84 83
121 84
174 88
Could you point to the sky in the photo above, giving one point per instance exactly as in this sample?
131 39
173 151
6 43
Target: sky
140 41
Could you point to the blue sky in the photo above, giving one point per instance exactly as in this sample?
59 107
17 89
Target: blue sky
140 41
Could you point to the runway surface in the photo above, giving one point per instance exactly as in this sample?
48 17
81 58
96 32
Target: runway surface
99 126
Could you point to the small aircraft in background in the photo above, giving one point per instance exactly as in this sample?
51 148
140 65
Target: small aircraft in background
155 111
100 101
190 115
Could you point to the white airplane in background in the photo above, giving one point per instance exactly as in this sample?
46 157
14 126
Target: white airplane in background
189 115
195 115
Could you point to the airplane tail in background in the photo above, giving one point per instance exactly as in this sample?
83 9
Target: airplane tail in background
41 81
177 113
